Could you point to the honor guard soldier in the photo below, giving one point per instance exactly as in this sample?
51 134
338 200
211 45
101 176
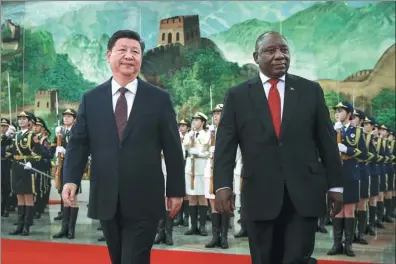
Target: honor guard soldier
382 151
358 119
26 151
165 225
220 222
182 218
388 168
42 165
351 145
69 214
392 141
48 168
6 133
374 166
197 145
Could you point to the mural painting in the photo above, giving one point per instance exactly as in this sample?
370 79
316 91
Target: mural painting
195 49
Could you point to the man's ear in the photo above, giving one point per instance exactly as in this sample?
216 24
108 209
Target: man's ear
255 56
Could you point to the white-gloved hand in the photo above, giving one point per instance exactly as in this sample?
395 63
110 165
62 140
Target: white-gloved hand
28 166
191 134
11 131
212 149
212 128
194 151
342 148
58 131
60 149
337 126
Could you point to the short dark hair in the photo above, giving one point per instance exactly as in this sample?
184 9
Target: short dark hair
262 36
125 33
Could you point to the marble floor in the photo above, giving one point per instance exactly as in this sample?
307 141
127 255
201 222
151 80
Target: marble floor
381 249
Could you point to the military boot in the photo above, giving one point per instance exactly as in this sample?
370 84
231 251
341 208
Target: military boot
216 225
65 224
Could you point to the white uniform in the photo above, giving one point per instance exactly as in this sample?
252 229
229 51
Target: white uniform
201 159
237 172
163 170
208 172
237 178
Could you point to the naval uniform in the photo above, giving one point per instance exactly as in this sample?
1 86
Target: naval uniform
389 166
364 168
201 144
237 172
353 139
381 148
375 167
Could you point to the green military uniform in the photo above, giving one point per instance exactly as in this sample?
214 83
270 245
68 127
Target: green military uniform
6 141
24 150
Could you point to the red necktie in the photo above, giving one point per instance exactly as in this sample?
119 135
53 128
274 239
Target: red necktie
274 103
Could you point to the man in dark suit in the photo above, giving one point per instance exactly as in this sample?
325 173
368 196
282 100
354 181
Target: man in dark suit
282 125
124 124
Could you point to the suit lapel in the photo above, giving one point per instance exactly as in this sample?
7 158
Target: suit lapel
289 102
138 105
260 103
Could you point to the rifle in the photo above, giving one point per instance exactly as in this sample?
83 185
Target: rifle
60 163
58 144
192 163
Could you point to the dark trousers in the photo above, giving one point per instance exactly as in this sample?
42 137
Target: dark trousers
5 188
288 239
129 241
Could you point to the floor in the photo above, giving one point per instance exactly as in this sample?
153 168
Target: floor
381 249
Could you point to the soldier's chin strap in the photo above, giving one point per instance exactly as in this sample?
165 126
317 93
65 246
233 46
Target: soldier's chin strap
38 171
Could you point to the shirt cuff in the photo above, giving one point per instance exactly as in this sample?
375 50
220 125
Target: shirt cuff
337 189
222 189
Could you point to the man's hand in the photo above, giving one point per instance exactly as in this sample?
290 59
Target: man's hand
174 205
336 201
225 203
69 194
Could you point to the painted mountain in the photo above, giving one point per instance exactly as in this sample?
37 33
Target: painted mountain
328 40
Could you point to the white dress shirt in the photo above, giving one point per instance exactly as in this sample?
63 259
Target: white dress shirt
281 89
280 86
129 95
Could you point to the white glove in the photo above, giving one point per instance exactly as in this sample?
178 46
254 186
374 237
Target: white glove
10 132
191 134
337 126
212 128
60 149
194 151
212 149
342 148
58 131
28 166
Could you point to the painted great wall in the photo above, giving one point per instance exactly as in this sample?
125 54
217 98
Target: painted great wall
367 83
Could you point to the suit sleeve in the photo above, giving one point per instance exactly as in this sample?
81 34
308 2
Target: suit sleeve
173 153
78 148
226 146
326 142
